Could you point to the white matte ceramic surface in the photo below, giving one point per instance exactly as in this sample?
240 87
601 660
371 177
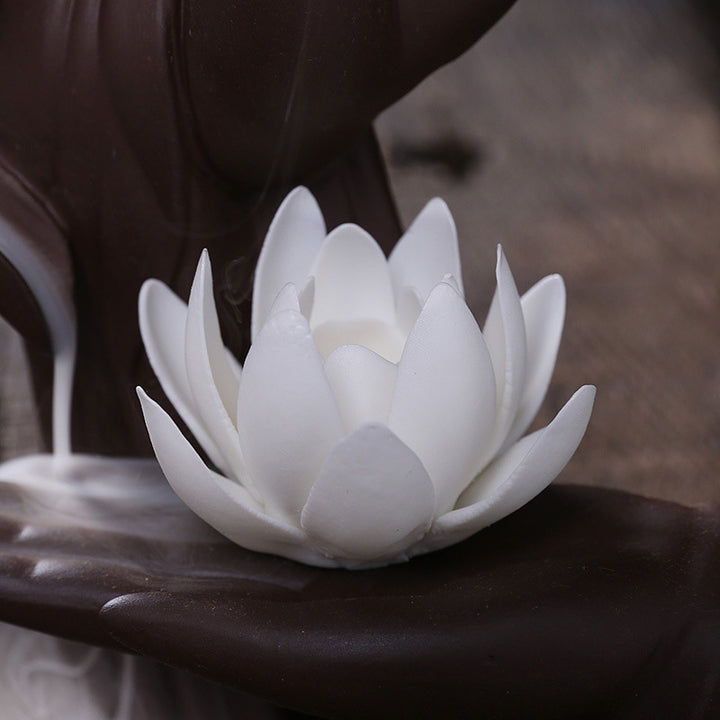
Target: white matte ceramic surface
373 420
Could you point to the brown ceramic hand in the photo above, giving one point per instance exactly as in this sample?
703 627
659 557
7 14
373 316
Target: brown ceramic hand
135 133
585 603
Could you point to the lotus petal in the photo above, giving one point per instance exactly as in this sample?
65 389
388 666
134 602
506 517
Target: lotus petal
427 251
453 283
372 499
352 279
408 309
293 240
444 397
385 340
306 297
234 365
213 384
517 476
288 420
504 334
225 505
287 299
362 383
163 316
543 308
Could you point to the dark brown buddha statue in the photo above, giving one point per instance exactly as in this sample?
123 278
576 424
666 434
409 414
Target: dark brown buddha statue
134 134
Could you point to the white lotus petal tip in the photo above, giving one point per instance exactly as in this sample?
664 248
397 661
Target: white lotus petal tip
427 251
373 420
291 245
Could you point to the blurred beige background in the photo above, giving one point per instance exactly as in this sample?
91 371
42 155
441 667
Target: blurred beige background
585 137
595 130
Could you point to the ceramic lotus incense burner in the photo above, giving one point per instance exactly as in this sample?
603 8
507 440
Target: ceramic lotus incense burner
372 420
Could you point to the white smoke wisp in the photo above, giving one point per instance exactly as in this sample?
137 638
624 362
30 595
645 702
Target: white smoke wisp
46 678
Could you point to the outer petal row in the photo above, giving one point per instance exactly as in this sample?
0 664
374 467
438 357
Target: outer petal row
515 477
220 502
369 476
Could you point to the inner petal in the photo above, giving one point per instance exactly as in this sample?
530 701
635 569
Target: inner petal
363 384
427 251
383 339
352 279
292 243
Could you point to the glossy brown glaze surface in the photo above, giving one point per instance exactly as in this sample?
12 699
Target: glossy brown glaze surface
585 603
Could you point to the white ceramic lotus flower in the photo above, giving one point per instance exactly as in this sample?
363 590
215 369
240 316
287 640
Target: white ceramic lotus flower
373 420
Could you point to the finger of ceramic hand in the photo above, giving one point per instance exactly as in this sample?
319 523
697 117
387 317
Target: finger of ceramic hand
11 525
617 560
60 595
576 547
